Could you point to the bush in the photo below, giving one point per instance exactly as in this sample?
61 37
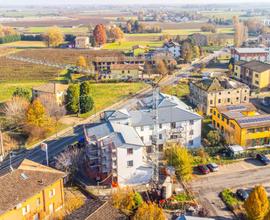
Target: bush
10 38
229 199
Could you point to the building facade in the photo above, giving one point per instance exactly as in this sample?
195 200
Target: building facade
242 125
82 42
174 48
255 74
32 191
209 93
249 54
119 71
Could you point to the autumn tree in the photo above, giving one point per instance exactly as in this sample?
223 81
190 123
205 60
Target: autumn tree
187 52
100 34
257 204
126 200
161 67
86 101
81 62
197 52
240 32
148 69
54 37
213 137
179 157
22 92
15 110
72 98
116 33
149 211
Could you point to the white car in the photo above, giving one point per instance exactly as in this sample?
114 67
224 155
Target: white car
213 167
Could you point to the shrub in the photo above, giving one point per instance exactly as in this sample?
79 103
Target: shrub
229 199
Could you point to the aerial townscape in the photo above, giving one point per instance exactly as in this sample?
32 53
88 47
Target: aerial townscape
134 110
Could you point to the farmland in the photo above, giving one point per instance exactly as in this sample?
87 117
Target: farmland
25 44
75 30
127 45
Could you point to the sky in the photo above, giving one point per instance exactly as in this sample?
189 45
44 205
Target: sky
52 2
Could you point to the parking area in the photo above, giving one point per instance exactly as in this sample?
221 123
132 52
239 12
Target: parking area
243 174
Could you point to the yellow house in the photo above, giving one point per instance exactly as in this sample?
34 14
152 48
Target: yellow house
125 70
32 191
256 74
241 124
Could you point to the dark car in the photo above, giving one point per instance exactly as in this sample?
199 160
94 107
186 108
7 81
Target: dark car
203 169
263 159
242 194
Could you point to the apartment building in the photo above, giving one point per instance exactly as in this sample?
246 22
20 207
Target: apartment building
249 54
173 47
242 124
126 71
120 144
32 191
255 74
211 92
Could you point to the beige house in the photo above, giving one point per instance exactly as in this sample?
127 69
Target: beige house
54 89
256 74
125 71
209 93
82 42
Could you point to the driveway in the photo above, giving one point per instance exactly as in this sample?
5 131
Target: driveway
243 174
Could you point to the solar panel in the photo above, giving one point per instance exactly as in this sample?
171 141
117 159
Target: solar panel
254 120
236 107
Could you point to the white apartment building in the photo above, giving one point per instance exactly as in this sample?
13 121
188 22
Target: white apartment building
174 48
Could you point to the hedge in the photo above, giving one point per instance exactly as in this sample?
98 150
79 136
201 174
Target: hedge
11 38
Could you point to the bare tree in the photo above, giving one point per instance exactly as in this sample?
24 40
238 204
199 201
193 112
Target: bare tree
15 110
54 110
69 161
161 67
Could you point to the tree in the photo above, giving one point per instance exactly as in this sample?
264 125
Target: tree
86 101
100 34
81 62
161 67
240 32
187 52
213 137
15 110
197 52
181 159
116 33
257 204
126 200
54 37
72 98
149 211
148 69
22 92
208 28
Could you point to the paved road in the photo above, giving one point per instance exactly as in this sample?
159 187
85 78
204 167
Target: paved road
246 174
69 136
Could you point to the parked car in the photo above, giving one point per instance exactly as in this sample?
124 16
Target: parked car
203 169
242 194
213 167
263 159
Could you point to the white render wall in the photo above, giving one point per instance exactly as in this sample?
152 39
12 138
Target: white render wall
176 51
124 172
145 133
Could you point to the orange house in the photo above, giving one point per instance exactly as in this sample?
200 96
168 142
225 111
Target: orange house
32 191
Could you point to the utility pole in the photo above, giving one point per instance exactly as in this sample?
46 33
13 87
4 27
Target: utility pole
44 147
2 146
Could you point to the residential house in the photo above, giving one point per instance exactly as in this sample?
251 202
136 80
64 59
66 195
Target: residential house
242 124
82 42
249 54
32 191
119 71
211 92
56 90
264 39
185 217
173 47
255 74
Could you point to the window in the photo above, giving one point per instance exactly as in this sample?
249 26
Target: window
130 163
257 82
142 128
256 75
173 125
123 71
190 142
228 99
245 98
52 193
219 100
191 132
211 102
160 136
130 151
26 210
160 126
191 122
38 202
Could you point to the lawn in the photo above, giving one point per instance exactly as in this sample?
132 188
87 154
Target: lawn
7 88
127 45
106 94
179 90
25 44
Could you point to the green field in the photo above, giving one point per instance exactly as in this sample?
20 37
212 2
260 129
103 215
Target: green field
106 94
127 45
75 30
7 88
25 44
